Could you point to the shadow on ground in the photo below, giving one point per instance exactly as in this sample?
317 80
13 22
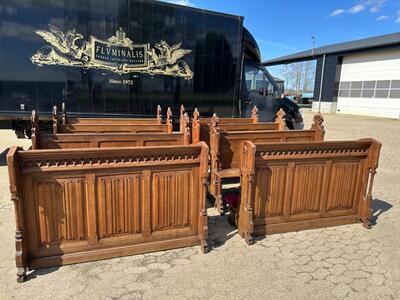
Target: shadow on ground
40 272
3 157
379 207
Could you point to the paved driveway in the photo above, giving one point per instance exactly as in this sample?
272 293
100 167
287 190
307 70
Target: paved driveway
346 261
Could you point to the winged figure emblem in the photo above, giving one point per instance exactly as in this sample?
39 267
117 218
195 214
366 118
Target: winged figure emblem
70 49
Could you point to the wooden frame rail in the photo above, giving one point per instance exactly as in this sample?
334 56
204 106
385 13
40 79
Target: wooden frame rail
294 186
81 205
225 150
101 140
65 119
101 125
202 127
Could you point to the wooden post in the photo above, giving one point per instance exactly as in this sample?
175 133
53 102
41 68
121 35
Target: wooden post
169 120
35 130
159 116
318 126
196 127
203 224
186 129
280 119
182 121
254 114
64 113
20 255
55 119
247 183
365 209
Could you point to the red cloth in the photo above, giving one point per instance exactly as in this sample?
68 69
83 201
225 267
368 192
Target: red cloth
232 200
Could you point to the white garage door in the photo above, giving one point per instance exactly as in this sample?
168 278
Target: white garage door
370 84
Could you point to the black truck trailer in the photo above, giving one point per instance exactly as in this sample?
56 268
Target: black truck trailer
124 57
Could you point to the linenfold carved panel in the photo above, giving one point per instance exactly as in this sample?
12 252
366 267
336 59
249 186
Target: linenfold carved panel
60 210
171 200
268 186
342 186
306 191
119 205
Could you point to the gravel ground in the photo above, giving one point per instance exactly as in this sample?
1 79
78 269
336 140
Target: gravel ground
341 262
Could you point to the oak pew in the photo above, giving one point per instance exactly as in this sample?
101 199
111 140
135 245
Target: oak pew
80 205
225 150
201 126
65 119
86 125
295 186
101 140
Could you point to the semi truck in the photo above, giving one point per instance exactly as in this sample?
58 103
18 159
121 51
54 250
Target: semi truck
122 58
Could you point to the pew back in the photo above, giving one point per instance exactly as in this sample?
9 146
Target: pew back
79 205
293 186
107 140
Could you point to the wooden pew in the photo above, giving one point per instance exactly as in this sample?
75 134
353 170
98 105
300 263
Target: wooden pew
112 126
65 119
80 205
101 140
225 150
295 186
201 127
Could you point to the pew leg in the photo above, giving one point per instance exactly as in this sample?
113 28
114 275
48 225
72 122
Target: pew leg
219 205
366 223
204 246
21 274
248 238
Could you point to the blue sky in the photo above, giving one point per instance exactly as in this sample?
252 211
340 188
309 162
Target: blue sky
285 26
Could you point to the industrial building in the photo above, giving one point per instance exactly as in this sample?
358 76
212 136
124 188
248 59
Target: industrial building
359 77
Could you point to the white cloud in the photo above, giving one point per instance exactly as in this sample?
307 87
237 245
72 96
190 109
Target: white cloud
374 5
398 16
337 12
381 18
356 9
181 2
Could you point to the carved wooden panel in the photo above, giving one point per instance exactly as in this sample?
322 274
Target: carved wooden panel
119 205
60 210
343 185
268 187
171 200
306 188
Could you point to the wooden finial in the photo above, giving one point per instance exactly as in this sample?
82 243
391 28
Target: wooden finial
214 120
169 120
64 113
35 129
186 130
318 126
280 119
159 116
182 119
254 114
55 119
196 127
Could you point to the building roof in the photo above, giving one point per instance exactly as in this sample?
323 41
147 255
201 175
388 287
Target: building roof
372 42
277 79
